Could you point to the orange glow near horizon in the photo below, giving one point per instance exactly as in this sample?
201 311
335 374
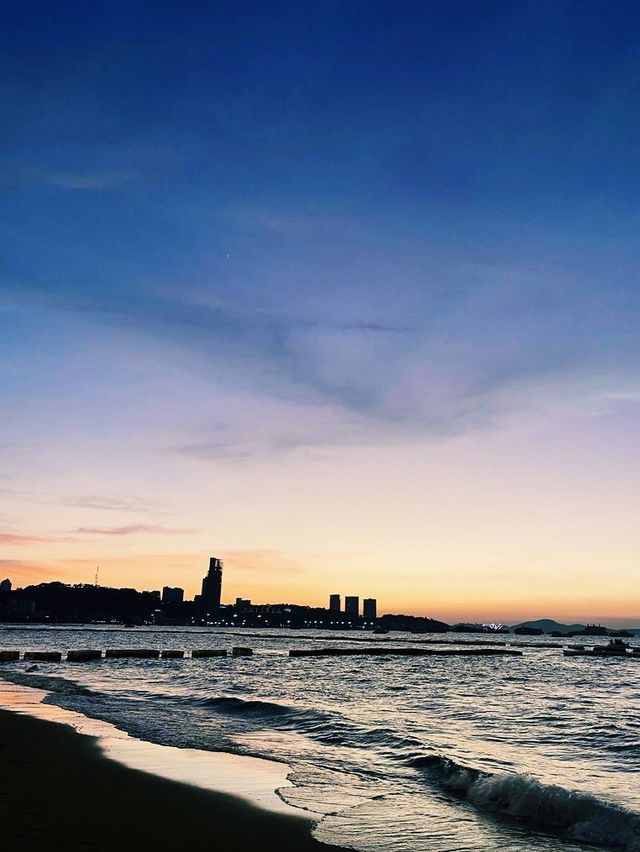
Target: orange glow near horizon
491 527
246 575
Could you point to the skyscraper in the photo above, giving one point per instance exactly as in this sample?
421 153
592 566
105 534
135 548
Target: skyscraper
334 603
352 604
369 607
212 585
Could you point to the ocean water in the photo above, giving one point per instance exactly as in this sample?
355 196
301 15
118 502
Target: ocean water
391 754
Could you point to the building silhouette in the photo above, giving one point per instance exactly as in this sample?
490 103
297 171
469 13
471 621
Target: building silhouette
5 586
212 586
352 605
172 595
369 607
334 603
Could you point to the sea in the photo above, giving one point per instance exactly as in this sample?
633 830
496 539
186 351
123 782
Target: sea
538 752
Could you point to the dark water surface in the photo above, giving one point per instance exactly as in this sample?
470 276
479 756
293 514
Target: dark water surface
538 752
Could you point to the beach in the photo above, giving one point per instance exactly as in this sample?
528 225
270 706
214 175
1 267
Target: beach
379 754
59 792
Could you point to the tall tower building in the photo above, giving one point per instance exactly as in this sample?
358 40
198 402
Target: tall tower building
352 604
212 585
334 603
369 608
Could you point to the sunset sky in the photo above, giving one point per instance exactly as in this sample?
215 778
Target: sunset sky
345 293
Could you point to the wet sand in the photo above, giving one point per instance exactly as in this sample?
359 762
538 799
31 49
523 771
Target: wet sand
59 792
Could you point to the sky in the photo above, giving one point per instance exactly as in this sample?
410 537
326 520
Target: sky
345 293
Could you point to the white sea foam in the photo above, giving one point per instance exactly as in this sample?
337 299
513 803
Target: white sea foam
567 814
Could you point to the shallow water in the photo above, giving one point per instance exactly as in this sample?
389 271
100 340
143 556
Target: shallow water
538 752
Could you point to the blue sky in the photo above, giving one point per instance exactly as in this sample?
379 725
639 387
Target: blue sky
232 231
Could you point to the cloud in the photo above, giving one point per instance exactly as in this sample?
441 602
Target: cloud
131 529
111 503
253 426
457 350
11 539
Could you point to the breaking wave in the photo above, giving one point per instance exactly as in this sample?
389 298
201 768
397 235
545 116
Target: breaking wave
567 814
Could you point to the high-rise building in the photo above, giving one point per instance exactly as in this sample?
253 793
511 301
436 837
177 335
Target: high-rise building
334 603
5 586
172 595
352 604
369 607
212 585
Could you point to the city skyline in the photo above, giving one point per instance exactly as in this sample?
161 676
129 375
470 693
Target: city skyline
60 603
208 601
366 321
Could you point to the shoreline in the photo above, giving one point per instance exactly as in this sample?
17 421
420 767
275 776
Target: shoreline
66 789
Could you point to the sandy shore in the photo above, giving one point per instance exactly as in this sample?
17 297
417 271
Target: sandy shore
59 792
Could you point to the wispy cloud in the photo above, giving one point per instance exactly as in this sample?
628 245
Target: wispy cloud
14 539
106 502
443 372
11 539
131 529
111 502
390 356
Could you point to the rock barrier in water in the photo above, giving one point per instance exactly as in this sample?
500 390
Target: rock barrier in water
83 656
89 655
403 652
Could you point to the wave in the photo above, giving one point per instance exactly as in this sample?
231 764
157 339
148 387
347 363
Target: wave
255 707
48 683
329 728
567 814
325 727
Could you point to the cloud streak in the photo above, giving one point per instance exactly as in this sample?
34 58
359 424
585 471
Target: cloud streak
132 529
106 502
112 503
11 539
